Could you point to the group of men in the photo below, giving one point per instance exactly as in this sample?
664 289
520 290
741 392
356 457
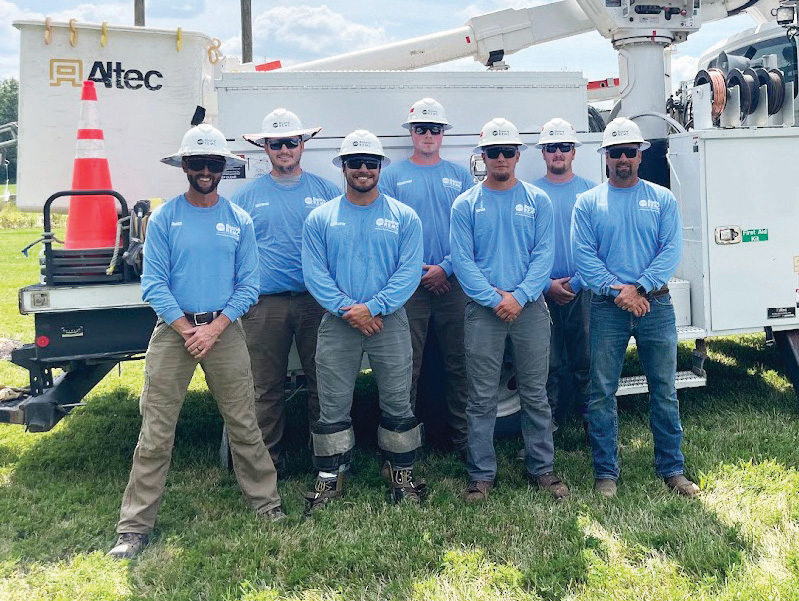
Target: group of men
561 271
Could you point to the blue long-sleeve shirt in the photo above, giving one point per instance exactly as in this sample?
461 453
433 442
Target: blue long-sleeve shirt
626 236
278 213
563 196
502 239
199 259
362 254
430 191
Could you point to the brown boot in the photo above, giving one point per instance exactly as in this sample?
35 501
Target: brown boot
324 491
556 487
682 485
477 491
402 488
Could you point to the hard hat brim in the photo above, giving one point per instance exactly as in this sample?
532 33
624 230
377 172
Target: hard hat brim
644 145
261 138
176 160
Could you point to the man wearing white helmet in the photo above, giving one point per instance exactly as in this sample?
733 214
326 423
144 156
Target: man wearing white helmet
502 248
278 203
569 305
362 260
428 184
200 275
627 242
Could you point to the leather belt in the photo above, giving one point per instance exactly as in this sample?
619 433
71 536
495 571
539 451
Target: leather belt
201 319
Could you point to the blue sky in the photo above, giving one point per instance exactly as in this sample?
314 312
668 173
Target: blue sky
304 30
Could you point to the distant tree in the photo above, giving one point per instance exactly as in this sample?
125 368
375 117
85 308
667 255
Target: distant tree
9 105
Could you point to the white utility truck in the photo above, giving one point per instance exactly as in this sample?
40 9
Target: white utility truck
740 270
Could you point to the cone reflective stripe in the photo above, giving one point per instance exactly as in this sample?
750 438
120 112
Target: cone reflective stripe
92 220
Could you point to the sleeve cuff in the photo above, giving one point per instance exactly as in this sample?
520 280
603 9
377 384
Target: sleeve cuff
495 300
374 307
576 284
520 296
446 265
172 315
231 314
547 286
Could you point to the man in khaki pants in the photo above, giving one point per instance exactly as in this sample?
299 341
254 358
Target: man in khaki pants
200 276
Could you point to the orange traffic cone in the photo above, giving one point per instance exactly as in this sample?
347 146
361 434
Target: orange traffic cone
92 220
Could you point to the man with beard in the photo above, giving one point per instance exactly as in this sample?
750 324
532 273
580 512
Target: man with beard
569 305
362 260
278 203
428 184
200 275
627 242
502 248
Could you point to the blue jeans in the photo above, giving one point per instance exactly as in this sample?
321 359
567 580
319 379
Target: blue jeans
485 335
656 337
339 352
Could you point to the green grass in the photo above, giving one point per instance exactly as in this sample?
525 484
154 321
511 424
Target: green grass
60 494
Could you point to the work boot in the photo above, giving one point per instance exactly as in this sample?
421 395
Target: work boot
403 488
550 482
275 514
605 487
477 491
129 544
325 490
682 485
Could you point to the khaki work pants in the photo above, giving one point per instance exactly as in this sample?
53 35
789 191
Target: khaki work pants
270 325
168 371
446 311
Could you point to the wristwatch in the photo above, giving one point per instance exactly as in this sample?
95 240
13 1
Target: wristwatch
640 290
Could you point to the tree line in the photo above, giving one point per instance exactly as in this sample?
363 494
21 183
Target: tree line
9 105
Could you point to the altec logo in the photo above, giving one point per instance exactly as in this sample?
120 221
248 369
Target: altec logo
110 74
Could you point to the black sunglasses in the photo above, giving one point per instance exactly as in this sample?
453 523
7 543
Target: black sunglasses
628 151
355 163
281 142
493 152
200 163
423 128
562 146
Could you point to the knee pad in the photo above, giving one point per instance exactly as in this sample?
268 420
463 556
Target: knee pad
399 439
332 445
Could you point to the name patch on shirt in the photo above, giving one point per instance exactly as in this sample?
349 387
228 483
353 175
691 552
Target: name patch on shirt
454 184
225 229
525 210
313 201
387 225
649 205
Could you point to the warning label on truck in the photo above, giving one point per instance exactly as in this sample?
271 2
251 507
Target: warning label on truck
780 312
755 235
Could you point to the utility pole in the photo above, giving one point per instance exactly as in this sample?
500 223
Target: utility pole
246 31
138 13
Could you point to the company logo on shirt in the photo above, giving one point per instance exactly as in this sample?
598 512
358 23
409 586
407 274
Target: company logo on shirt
407 181
313 201
387 225
448 182
258 205
649 205
337 223
225 229
480 210
176 223
525 210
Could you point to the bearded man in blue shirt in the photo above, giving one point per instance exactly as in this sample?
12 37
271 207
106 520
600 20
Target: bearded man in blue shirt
627 242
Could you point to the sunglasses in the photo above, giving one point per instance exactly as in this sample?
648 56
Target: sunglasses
615 153
562 146
280 143
493 152
421 130
356 163
200 163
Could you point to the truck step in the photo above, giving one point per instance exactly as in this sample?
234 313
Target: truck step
637 384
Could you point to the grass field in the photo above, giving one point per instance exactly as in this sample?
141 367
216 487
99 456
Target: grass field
60 494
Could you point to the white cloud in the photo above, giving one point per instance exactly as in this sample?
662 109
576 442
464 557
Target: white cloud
683 68
305 32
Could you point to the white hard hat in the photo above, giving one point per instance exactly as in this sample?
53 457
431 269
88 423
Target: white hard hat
557 130
281 123
497 132
427 110
622 131
205 140
360 142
